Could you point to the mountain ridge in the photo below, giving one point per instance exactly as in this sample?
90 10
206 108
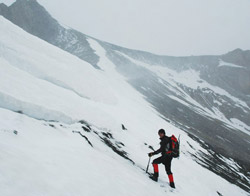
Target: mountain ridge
21 4
212 112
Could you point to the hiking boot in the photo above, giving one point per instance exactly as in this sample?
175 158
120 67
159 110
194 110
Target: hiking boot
154 177
171 180
172 185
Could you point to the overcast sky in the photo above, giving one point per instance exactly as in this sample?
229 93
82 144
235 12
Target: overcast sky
169 27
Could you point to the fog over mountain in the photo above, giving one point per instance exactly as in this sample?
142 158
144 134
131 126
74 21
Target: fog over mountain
166 27
208 96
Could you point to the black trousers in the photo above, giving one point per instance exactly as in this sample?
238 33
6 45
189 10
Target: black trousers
166 160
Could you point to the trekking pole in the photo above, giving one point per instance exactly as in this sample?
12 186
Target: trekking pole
179 141
149 158
148 164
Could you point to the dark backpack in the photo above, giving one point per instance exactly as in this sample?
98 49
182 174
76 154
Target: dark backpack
175 146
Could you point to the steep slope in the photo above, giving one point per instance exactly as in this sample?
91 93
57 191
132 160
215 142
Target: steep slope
206 96
188 100
34 19
61 128
176 91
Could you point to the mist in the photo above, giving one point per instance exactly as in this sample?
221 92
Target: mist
165 27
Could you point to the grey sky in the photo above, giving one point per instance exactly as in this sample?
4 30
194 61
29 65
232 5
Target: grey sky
170 27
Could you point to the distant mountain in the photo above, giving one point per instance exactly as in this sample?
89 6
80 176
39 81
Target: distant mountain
206 96
34 19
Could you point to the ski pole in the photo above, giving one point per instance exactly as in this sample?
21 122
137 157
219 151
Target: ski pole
148 165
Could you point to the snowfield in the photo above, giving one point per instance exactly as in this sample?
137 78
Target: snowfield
191 78
61 133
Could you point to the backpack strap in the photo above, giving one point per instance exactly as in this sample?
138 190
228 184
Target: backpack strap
169 152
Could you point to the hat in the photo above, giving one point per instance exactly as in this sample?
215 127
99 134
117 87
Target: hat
161 131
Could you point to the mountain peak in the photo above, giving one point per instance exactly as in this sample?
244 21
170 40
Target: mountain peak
3 5
238 57
23 2
26 4
237 50
26 1
32 17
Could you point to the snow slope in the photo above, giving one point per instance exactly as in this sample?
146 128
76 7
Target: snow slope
191 79
45 150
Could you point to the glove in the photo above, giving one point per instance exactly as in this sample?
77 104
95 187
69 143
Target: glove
150 154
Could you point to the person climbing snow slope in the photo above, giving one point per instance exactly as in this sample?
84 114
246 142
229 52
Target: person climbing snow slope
166 158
